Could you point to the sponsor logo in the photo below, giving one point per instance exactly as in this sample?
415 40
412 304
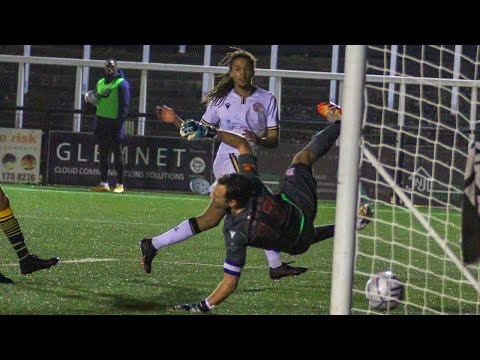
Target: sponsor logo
197 165
232 234
257 107
106 93
232 125
421 180
227 105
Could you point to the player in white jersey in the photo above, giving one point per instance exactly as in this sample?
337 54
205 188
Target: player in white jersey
255 116
234 104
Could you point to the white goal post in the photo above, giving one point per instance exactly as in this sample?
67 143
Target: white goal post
418 106
344 244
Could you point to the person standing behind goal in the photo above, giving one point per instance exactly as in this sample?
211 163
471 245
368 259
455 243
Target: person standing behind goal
236 105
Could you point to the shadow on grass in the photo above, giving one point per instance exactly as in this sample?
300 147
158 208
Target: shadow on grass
118 303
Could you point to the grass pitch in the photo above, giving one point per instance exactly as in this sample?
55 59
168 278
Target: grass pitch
96 236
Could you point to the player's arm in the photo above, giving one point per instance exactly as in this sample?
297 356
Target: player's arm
168 115
192 129
235 243
123 100
237 141
231 275
223 291
269 141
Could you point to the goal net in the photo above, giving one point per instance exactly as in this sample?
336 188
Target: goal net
418 122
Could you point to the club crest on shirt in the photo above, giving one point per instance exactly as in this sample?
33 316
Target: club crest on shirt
257 107
247 167
290 172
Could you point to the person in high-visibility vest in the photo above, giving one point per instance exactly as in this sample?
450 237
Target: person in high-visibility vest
112 102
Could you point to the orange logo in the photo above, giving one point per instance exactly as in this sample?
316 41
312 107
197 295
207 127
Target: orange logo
247 168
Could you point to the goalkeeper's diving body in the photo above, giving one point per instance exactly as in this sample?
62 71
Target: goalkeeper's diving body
254 215
236 105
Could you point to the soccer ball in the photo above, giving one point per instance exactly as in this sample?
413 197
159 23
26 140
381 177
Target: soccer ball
384 291
91 97
200 186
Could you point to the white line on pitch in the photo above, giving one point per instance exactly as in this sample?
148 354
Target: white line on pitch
46 218
95 260
187 197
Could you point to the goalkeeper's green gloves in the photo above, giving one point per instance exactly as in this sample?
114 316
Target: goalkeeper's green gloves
192 129
202 306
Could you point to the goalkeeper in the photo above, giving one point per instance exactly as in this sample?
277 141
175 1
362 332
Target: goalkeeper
254 215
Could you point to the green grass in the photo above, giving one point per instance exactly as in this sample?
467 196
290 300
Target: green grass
433 282
96 237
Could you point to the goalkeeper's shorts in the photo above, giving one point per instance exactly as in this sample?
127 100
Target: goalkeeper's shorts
300 187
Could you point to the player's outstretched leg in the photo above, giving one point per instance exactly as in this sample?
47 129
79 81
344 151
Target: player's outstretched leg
10 227
33 263
148 253
319 145
330 111
324 232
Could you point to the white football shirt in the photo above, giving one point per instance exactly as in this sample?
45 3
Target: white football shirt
257 112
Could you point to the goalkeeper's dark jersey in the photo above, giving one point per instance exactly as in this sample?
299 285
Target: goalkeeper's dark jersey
268 222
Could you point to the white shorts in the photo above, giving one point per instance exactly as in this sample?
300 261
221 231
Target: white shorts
225 163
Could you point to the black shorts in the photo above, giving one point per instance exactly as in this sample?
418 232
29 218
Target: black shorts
107 130
300 187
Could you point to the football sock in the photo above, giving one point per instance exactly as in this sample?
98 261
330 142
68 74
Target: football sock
324 232
323 141
274 259
179 233
11 228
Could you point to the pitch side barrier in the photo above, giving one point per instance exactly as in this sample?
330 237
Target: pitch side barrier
151 162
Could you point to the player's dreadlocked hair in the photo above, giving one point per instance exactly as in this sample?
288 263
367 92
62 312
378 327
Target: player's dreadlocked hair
220 91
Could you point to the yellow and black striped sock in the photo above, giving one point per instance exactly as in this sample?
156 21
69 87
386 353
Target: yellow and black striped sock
11 228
